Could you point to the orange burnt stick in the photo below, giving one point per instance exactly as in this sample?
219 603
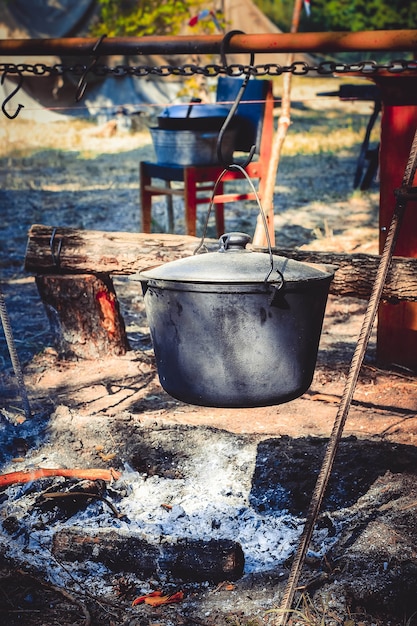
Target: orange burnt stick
26 476
156 598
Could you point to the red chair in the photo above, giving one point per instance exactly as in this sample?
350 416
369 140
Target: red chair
256 127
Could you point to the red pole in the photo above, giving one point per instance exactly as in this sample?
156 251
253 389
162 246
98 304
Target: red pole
397 323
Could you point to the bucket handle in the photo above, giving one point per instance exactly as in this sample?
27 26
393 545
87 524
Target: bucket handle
203 248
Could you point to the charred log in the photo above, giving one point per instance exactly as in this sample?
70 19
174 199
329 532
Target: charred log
187 560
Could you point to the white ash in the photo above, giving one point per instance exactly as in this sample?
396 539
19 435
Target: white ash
210 502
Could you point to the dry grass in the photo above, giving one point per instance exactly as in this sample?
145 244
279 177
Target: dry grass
324 124
21 138
319 125
314 193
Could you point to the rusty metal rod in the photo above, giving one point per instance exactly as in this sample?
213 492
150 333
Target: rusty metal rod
364 41
8 333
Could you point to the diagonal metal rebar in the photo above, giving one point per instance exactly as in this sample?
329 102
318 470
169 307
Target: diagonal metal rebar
284 611
5 320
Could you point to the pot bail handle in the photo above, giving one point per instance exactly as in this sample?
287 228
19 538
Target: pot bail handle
226 39
202 246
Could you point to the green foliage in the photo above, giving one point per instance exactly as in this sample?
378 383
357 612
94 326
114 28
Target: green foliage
344 15
357 15
278 11
137 18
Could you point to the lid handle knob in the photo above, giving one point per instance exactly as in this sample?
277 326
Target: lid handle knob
234 241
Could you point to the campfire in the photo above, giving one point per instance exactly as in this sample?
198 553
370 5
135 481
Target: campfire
191 509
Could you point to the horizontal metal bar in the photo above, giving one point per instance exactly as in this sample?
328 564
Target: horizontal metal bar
364 41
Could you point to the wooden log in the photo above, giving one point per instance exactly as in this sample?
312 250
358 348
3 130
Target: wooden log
73 269
84 315
356 273
70 251
187 560
127 253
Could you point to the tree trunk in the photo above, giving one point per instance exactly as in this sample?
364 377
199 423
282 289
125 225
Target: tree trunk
84 315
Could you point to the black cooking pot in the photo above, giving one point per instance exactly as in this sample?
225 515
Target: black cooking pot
235 328
200 117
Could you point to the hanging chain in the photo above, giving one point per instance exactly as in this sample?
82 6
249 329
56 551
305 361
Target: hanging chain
297 68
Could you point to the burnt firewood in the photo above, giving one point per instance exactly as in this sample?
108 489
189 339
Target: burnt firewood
186 560
66 500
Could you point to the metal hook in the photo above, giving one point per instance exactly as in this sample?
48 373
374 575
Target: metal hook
231 114
55 255
82 83
10 96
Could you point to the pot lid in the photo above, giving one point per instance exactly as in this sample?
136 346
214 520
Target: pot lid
232 263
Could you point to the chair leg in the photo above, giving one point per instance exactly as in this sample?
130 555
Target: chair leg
190 200
145 199
170 208
219 213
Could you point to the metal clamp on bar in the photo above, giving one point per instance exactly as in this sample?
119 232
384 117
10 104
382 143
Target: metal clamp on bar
82 84
55 255
406 194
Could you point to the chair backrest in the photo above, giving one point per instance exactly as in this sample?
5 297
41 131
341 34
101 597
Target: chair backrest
250 114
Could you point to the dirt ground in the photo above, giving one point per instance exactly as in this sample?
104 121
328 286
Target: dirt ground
362 565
